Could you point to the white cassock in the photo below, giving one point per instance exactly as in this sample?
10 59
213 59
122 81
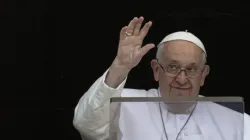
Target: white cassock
142 121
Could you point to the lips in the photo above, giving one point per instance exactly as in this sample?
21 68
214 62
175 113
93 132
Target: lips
181 88
180 91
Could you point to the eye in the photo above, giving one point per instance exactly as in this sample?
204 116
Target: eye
192 69
172 67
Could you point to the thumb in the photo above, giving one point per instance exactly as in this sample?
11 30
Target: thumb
146 48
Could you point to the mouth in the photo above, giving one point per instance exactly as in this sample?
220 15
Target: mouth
180 91
181 88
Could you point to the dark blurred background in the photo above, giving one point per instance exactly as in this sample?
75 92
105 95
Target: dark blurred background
52 51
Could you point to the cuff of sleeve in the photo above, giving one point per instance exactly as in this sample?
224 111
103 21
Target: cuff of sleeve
105 93
106 87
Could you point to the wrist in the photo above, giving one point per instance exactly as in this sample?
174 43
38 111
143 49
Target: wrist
119 68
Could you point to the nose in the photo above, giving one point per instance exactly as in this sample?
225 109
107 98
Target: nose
182 78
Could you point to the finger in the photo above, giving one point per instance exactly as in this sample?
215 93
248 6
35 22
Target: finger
131 25
144 30
122 33
146 48
138 26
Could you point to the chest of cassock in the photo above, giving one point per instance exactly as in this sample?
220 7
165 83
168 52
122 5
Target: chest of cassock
142 121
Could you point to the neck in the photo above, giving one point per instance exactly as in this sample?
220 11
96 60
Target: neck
181 108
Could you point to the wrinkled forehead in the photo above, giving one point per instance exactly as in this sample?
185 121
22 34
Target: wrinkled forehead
182 52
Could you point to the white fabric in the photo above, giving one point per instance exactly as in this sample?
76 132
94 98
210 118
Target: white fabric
92 115
175 122
187 36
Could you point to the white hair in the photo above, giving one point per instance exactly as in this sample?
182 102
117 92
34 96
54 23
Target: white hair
160 51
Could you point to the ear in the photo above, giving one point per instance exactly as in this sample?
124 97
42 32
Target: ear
155 68
204 74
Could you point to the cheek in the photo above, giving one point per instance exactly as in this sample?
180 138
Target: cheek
195 84
199 81
164 80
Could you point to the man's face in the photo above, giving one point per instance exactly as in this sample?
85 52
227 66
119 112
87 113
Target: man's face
177 55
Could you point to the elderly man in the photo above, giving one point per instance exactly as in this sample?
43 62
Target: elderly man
180 69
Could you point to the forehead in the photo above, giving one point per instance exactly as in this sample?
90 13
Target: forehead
183 52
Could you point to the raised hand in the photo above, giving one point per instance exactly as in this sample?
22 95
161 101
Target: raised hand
130 50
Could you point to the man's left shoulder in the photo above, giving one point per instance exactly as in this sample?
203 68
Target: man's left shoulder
225 109
247 121
246 126
224 112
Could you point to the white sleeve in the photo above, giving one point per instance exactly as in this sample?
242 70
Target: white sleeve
246 127
91 116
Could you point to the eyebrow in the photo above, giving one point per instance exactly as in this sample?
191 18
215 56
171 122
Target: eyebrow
193 64
175 61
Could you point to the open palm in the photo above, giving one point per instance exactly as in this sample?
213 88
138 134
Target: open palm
130 50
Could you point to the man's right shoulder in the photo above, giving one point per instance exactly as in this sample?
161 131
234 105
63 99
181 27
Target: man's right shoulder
129 92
